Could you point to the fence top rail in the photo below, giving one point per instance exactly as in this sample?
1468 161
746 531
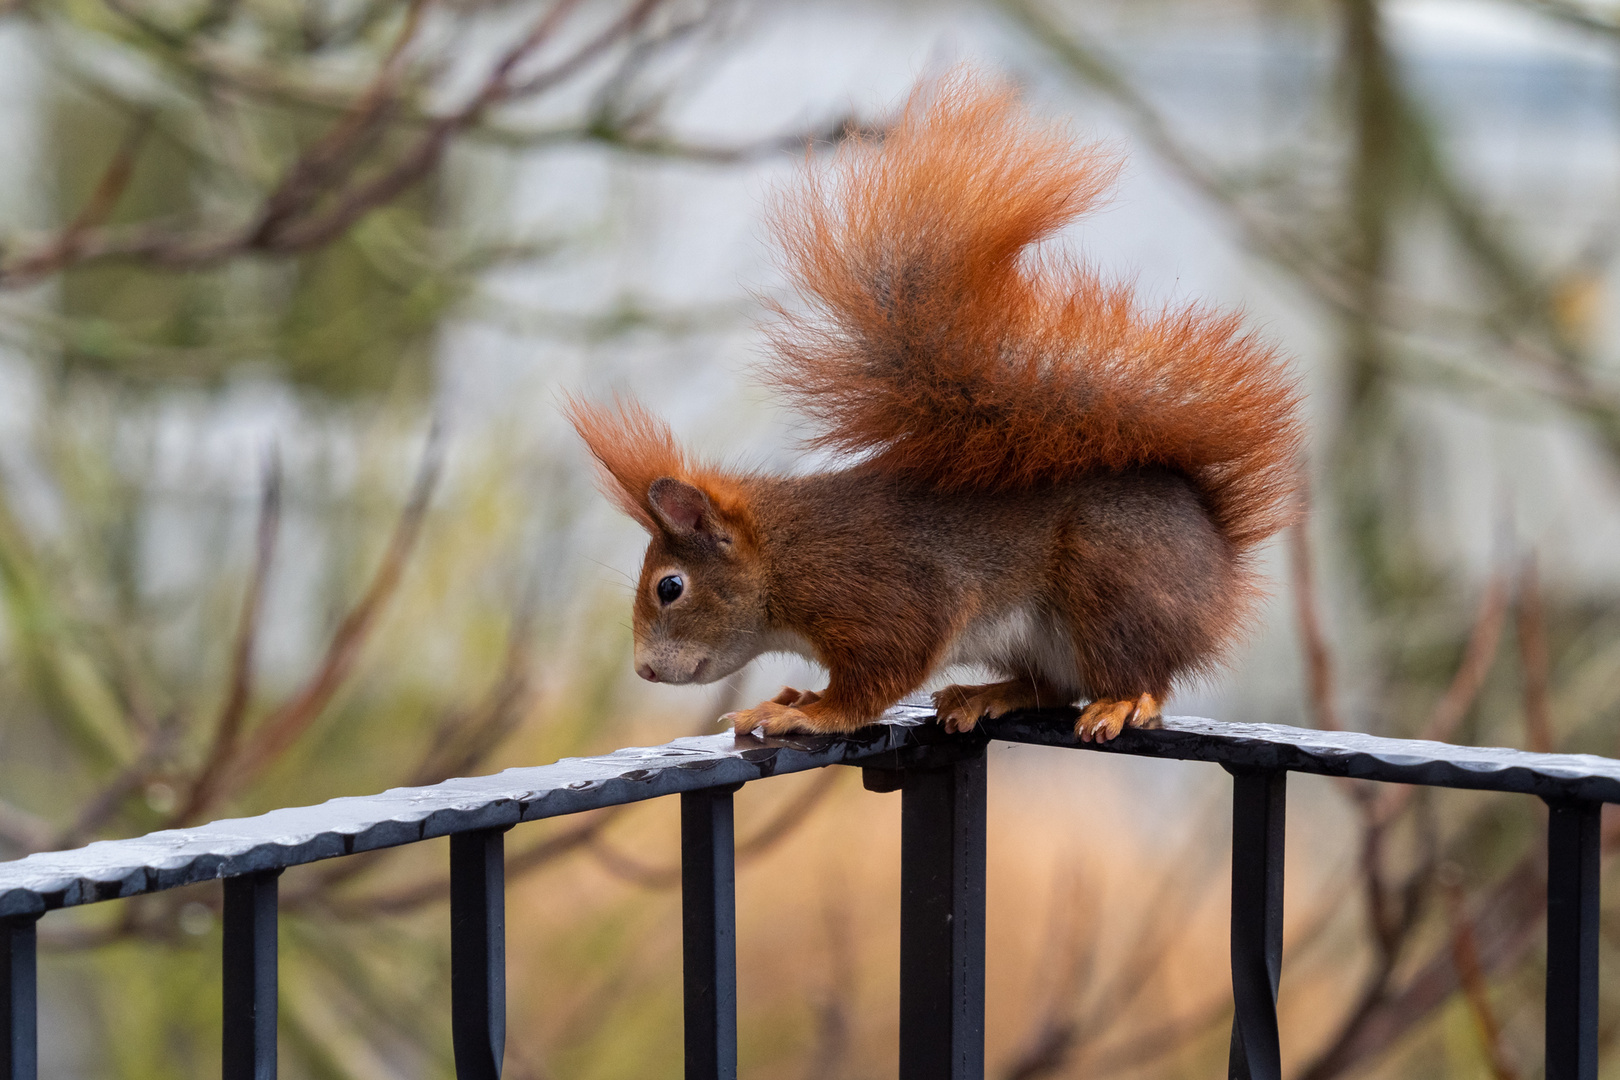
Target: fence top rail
113 869
292 836
1584 777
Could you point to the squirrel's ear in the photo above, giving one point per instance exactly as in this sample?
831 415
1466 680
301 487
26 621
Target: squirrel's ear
683 508
633 448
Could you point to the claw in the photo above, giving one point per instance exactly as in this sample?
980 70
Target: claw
1105 718
959 708
769 718
780 715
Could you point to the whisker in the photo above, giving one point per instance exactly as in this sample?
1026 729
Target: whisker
611 569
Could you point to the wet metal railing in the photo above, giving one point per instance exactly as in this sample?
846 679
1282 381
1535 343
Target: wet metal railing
942 783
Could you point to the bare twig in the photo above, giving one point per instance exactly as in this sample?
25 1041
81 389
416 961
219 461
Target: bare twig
437 888
71 241
501 85
288 722
1380 920
1533 655
464 739
655 144
1476 988
1069 1037
1318 657
781 824
174 40
416 162
1392 913
1504 925
457 749
1159 1041
1090 63
124 783
228 727
271 84
23 831
352 169
1319 664
1461 692
1156 933
336 153
1543 356
316 201
1476 663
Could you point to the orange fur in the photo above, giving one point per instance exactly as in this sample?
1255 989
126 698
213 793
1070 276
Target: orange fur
633 447
941 346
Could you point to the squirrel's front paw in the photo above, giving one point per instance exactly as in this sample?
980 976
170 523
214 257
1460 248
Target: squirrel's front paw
778 716
1106 717
796 698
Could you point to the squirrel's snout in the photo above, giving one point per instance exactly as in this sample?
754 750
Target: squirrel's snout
676 670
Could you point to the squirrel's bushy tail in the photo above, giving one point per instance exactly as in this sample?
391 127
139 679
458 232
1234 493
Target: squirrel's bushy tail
938 345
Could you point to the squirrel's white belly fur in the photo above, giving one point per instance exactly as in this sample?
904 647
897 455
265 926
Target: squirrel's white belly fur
1014 643
1018 642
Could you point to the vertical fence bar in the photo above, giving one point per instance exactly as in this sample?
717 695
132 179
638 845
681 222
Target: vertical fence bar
942 849
248 1050
19 1049
478 953
1259 798
709 926
1573 840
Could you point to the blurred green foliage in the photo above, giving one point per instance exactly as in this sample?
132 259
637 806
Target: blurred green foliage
356 317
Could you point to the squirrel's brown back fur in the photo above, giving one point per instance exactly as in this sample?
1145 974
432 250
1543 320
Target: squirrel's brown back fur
940 345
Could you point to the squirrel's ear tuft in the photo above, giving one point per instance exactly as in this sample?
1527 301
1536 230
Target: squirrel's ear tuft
684 509
651 478
632 448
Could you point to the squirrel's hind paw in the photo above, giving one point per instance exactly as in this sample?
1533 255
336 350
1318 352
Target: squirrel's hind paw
959 708
1106 717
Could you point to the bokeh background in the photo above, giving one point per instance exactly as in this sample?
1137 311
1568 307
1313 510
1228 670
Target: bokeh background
289 293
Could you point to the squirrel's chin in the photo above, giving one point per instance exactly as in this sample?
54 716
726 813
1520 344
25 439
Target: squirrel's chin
711 670
706 671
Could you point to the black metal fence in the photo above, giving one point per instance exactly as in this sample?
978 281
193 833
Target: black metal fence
942 783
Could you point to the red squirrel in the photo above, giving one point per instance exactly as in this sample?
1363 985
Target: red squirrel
1044 477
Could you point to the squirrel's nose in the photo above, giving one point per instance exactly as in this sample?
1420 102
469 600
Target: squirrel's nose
646 672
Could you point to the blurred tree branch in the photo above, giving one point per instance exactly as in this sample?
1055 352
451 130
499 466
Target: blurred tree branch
23 831
782 823
1581 16
323 192
277 732
1476 989
380 143
203 791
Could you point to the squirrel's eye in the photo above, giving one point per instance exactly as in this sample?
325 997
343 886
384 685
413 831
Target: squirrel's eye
669 589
